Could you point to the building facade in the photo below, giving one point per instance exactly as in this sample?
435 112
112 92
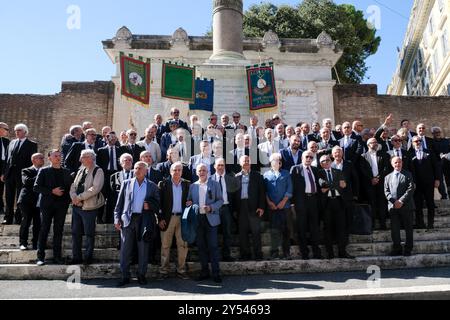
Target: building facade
424 60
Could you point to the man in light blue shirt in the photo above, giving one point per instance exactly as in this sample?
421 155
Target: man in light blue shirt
278 185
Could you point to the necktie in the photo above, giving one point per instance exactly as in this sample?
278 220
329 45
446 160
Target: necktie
330 180
111 159
3 149
220 182
132 148
16 148
127 175
311 180
305 143
90 146
397 153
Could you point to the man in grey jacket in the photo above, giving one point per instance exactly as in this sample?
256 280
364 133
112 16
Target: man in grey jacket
399 189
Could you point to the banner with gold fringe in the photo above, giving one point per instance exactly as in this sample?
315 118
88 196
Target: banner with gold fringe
178 82
262 92
135 78
204 95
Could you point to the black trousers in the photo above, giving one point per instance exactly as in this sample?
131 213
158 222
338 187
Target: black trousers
249 221
335 223
308 216
13 185
106 213
56 213
378 202
397 217
2 191
424 191
446 177
29 213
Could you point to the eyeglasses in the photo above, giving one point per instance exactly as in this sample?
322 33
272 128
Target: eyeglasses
309 157
417 141
133 134
176 112
395 140
324 161
236 117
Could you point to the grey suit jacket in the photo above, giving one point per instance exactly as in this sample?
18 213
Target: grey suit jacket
214 199
399 189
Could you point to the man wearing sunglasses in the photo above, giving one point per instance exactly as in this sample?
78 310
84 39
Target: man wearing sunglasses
175 116
131 147
425 173
305 198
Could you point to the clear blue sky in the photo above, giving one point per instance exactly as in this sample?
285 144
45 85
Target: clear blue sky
38 50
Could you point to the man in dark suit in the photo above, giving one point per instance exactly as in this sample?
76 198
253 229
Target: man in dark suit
306 137
204 157
335 135
131 147
229 186
305 183
250 204
236 124
75 135
427 143
442 147
234 155
351 192
137 205
425 171
168 139
4 143
352 147
405 124
19 155
28 202
108 159
326 144
332 184
53 183
175 117
374 167
399 190
72 160
398 151
160 127
173 192
292 155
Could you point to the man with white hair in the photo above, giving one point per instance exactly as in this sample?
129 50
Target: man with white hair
374 166
72 160
334 135
268 147
87 198
150 145
280 137
19 155
4 143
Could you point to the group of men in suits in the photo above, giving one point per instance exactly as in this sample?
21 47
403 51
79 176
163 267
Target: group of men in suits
328 169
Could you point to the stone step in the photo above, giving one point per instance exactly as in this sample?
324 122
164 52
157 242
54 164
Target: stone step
111 270
14 256
111 240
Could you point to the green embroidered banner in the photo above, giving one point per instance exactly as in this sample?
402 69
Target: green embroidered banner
135 76
178 82
261 87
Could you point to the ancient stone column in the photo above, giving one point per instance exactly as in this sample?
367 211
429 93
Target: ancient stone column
227 30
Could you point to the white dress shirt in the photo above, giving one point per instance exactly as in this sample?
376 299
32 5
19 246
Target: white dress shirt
203 187
307 183
224 187
374 163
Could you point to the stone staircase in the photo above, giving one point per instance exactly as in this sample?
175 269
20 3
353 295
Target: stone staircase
431 249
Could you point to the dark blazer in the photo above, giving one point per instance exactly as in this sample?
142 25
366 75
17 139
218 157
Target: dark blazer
299 184
72 160
351 177
424 171
430 145
166 195
399 189
256 192
304 143
166 142
164 168
353 151
232 186
5 142
405 158
23 159
336 135
365 166
383 143
46 182
326 146
159 132
136 153
116 179
181 124
288 160
103 158
337 176
230 126
154 175
27 195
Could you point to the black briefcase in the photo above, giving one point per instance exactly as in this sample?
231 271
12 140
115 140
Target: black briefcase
362 219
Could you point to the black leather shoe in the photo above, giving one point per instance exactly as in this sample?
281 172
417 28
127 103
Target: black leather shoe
142 280
430 226
217 279
305 257
58 260
202 277
87 261
123 282
330 256
419 226
6 222
74 261
407 253
318 256
395 253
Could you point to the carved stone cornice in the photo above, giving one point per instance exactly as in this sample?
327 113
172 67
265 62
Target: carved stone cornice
236 5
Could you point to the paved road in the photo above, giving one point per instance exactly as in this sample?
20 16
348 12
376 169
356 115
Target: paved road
413 283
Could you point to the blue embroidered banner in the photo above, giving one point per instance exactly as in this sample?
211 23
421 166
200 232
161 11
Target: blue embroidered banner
204 95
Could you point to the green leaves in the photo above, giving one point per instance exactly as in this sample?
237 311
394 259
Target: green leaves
308 19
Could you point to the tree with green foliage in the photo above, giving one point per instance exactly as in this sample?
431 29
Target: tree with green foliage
308 19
